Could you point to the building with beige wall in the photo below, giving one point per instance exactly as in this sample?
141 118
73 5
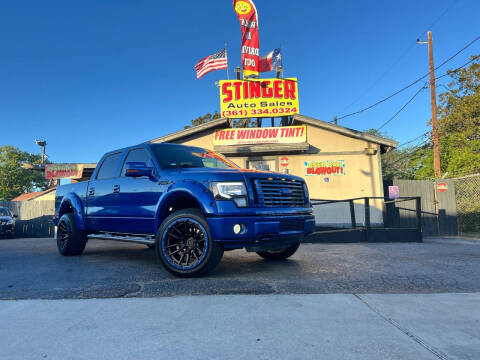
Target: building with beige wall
336 162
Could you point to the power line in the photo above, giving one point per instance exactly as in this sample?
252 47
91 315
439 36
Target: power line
403 107
424 87
407 155
460 67
411 84
407 50
414 139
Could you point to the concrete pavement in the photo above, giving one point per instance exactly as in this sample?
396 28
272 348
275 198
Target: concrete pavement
329 326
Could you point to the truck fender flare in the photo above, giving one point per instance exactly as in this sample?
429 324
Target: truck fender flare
193 189
71 200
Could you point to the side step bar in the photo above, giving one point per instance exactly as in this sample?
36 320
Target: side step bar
147 239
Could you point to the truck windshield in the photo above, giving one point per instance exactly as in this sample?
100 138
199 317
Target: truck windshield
174 156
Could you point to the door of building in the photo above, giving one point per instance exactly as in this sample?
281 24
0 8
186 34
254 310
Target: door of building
266 165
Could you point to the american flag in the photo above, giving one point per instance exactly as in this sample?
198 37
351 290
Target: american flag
216 61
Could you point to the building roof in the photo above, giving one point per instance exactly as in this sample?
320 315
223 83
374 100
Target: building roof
217 123
386 144
33 195
344 131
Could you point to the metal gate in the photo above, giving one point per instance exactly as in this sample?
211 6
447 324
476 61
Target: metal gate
439 210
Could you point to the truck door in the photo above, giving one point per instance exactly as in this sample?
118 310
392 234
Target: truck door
103 210
138 197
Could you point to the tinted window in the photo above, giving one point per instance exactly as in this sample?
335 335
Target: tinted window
4 212
109 166
137 155
174 156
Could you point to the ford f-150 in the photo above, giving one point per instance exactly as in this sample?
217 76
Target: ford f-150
188 203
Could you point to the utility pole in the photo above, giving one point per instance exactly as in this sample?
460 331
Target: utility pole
433 96
433 100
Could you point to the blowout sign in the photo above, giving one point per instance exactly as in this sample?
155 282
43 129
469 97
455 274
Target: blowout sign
325 167
258 98
264 135
247 15
63 171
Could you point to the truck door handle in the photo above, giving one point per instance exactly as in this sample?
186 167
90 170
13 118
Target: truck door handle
91 191
116 189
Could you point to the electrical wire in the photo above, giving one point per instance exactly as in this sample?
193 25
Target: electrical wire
424 87
460 67
410 141
407 155
411 84
407 50
402 108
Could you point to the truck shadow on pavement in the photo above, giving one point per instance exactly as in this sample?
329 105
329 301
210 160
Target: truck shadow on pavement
236 263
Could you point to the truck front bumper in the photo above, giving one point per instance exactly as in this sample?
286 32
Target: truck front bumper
260 233
6 229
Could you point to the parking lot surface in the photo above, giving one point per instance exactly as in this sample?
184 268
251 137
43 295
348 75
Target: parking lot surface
32 269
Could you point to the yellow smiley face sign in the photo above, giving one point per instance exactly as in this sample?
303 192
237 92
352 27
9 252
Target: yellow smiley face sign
243 7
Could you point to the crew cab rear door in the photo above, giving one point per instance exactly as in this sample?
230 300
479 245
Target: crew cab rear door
103 210
138 196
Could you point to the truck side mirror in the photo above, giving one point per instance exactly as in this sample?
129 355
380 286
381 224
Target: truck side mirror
138 169
14 216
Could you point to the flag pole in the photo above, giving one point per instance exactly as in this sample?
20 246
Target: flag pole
226 55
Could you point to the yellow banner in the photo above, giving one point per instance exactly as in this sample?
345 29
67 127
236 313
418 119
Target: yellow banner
258 98
264 135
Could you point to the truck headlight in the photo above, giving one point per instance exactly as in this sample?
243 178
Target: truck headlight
9 222
235 191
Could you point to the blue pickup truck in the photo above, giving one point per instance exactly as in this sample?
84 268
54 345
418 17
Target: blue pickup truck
188 203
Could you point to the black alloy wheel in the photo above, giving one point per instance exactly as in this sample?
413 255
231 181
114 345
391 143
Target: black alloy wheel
185 246
70 240
62 234
186 243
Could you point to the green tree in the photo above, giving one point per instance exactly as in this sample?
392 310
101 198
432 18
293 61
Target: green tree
14 180
204 119
459 122
458 132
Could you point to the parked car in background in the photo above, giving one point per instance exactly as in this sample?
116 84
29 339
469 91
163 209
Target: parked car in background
189 203
7 222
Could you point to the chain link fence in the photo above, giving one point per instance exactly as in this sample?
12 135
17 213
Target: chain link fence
467 193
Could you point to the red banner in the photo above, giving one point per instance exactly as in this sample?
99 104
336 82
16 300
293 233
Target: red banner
247 15
63 171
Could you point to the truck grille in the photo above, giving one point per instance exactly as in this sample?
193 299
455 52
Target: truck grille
279 193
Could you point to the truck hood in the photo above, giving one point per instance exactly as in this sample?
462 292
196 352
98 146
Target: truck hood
234 174
5 218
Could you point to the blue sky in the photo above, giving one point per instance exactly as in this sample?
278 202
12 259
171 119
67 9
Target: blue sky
92 76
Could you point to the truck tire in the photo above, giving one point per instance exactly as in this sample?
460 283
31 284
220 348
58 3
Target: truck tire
70 240
185 246
280 254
